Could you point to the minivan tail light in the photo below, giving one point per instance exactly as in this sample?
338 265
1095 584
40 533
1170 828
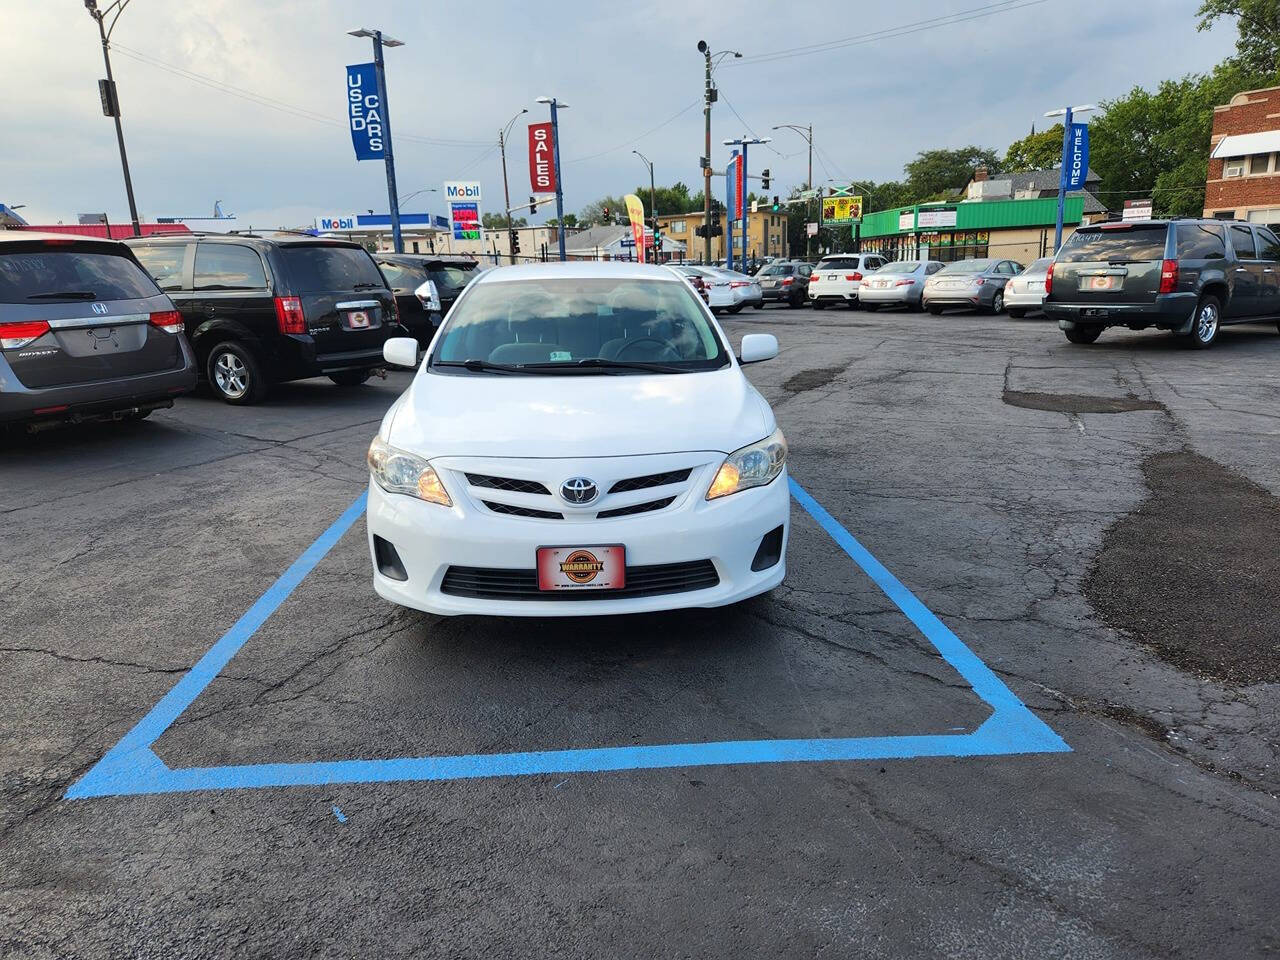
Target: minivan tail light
1048 280
21 332
170 321
1168 276
289 317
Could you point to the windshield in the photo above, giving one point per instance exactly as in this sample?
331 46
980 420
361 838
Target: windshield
902 266
451 278
838 263
1132 243
325 269
1039 266
564 322
777 270
967 266
55 275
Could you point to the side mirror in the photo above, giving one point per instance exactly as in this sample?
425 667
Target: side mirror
403 352
757 347
428 295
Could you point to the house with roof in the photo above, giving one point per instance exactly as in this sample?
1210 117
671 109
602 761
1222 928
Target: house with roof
614 242
1035 185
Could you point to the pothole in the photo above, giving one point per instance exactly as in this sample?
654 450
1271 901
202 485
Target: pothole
1194 572
812 379
1078 403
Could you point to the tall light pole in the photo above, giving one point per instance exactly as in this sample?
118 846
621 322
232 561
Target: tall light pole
653 206
741 201
708 97
404 200
506 192
1067 113
807 133
555 151
110 99
380 40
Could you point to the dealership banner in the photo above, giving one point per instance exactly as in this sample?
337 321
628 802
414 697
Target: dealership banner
463 197
1075 162
364 112
542 161
739 193
635 211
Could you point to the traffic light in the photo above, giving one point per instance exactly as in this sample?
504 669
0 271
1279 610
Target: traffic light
533 207
606 215
776 205
764 179
515 242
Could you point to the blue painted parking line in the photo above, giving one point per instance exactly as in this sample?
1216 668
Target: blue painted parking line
132 767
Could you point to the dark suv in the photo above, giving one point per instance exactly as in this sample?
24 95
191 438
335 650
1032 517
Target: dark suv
1186 276
84 333
261 309
406 272
786 281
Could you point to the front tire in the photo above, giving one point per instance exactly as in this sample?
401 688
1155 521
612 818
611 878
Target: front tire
1083 335
759 306
350 378
935 310
871 307
1017 312
235 373
1205 324
737 308
818 305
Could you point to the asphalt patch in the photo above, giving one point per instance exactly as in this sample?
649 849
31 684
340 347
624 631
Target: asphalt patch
811 379
1078 403
1194 573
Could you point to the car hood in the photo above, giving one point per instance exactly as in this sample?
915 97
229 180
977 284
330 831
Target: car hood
577 416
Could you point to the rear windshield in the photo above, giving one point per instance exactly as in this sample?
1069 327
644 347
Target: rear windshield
324 269
1115 246
451 278
967 266
838 263
777 270
64 276
1200 241
902 266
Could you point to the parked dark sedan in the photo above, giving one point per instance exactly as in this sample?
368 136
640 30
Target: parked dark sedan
407 272
85 333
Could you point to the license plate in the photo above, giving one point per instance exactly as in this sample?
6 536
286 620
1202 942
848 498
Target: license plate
1035 284
1094 312
831 276
771 283
1105 282
582 568
358 320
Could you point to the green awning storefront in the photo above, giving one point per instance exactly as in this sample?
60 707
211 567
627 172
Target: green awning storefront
977 215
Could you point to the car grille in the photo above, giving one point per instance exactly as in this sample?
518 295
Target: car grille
652 480
635 508
492 583
507 483
512 510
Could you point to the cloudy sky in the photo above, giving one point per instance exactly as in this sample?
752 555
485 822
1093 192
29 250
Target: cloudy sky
243 100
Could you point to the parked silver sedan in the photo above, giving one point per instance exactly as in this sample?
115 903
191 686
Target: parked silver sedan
900 283
1025 292
976 284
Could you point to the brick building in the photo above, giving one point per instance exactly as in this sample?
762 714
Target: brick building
1244 162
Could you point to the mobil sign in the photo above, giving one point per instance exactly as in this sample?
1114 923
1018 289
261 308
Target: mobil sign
468 191
336 222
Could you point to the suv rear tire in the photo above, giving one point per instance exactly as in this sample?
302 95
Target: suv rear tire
350 378
1205 324
1084 334
235 373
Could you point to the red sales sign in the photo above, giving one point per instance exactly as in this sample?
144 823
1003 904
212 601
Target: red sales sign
542 166
739 200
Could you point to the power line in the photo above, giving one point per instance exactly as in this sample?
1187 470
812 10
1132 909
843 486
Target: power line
672 119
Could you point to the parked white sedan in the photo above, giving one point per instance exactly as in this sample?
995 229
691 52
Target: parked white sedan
579 440
1025 292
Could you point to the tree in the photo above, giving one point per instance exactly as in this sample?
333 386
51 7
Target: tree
1035 151
933 172
498 221
569 221
593 213
1258 26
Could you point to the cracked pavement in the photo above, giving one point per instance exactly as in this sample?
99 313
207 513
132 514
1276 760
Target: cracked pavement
986 462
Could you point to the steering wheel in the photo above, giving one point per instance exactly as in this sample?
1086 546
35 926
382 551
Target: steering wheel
668 350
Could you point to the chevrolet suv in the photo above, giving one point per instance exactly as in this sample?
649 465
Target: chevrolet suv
1186 276
261 309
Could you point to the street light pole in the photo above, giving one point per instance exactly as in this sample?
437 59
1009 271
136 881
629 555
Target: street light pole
1067 114
706 157
807 133
112 99
555 152
506 192
653 205
380 41
742 142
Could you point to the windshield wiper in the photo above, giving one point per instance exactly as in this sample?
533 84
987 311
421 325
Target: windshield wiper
601 362
65 295
484 366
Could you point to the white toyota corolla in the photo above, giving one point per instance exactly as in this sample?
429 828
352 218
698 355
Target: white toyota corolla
578 440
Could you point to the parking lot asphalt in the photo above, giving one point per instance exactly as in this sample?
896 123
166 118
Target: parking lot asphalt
1034 495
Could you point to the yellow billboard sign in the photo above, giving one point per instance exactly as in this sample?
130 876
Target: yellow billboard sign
841 209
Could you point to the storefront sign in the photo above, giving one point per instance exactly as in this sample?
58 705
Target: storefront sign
542 165
635 212
337 223
1137 210
936 217
463 197
364 112
1075 162
841 209
907 220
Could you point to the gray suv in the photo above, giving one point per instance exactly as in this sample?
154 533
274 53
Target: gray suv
1186 276
85 333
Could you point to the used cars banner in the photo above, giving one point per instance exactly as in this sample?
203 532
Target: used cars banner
364 112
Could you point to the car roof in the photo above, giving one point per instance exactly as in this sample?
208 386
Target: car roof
37 236
454 260
278 239
577 270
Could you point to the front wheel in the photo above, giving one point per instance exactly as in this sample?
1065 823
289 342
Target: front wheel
759 305
1204 324
350 378
1083 334
235 373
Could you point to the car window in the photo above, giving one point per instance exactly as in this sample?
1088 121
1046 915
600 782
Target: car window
1040 265
226 266
778 270
839 263
806 269
1200 241
902 266
1269 246
933 268
164 263
326 269
1116 244
1006 266
968 266
450 278
563 321
402 277
1242 242
44 274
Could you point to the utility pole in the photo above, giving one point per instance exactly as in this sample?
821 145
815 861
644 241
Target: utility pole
555 152
653 205
380 41
807 133
706 157
110 98
506 192
1067 114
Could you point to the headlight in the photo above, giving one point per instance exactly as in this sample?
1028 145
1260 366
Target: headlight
752 466
398 472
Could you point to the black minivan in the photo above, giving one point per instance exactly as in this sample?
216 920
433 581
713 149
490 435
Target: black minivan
265 308
84 333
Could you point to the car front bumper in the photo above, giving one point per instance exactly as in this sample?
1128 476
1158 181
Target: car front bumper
430 539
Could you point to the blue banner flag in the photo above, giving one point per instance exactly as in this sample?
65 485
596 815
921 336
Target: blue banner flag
364 111
1075 162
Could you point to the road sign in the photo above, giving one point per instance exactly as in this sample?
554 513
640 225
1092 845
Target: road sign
841 209
811 229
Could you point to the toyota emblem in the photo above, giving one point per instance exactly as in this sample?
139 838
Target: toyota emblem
578 490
